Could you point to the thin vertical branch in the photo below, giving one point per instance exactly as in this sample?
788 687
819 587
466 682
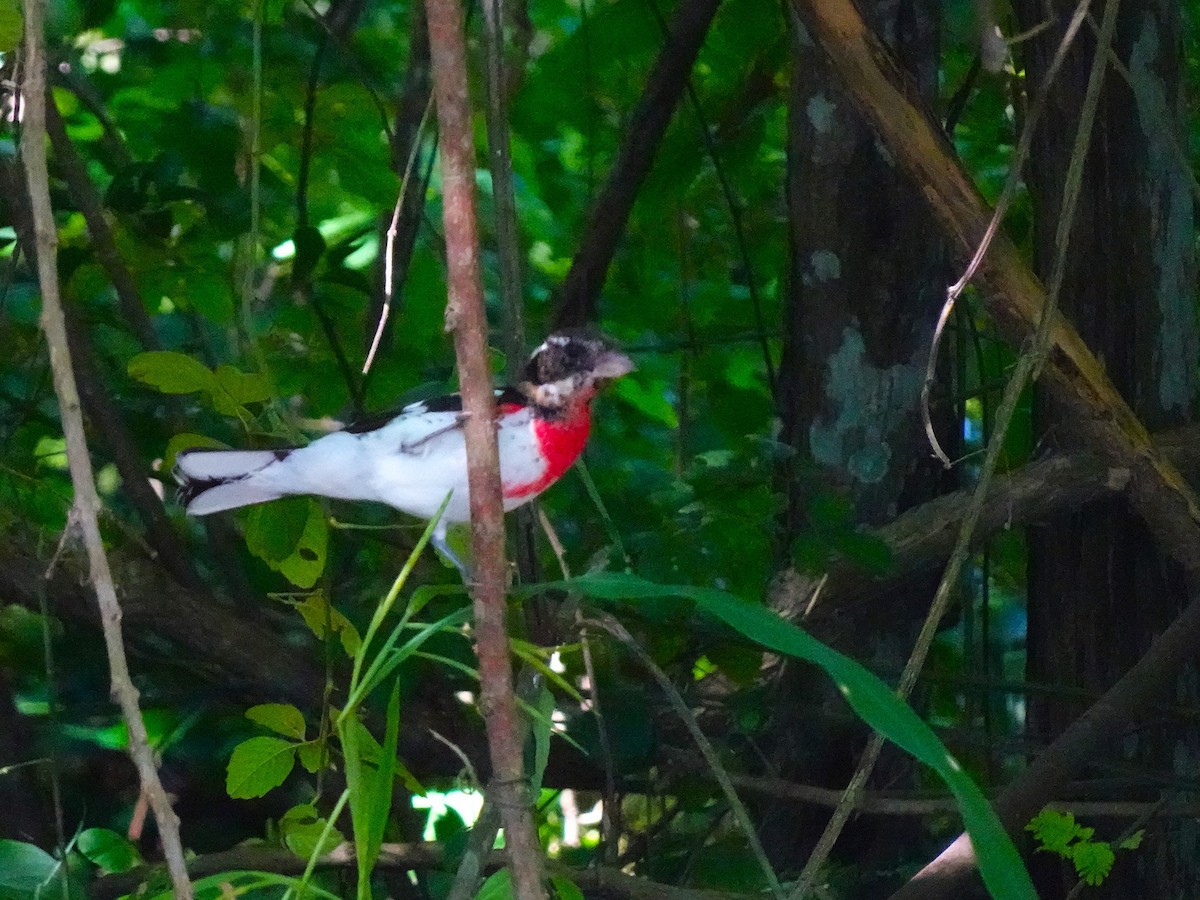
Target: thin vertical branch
251 241
466 319
87 502
500 163
508 245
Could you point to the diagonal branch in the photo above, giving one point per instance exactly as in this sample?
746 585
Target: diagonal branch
664 87
1129 702
105 246
87 502
921 538
1013 294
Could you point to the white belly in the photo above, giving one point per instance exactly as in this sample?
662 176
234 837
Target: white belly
410 464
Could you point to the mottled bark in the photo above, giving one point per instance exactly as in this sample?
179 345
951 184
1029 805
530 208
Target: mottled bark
868 275
1100 589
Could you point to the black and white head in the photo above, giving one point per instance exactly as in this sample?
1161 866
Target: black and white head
569 367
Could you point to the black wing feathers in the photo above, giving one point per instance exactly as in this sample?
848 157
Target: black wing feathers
444 403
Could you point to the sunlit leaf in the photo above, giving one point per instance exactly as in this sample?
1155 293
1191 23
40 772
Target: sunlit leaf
171 373
1093 860
258 765
282 718
110 851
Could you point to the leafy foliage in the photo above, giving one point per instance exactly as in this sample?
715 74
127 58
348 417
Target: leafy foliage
1059 833
247 209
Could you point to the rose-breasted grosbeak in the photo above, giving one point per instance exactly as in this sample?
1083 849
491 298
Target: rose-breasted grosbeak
412 460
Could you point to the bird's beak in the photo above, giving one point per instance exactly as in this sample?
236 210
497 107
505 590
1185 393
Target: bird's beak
612 364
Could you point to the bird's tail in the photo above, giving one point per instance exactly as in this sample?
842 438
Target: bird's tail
214 480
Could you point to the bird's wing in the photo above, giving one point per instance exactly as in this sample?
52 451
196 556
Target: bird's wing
419 424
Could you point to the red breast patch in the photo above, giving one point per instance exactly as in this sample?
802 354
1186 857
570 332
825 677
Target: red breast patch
560 443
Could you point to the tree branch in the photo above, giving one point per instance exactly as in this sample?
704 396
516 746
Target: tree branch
665 85
398 857
921 538
1014 296
92 207
467 319
1127 703
87 502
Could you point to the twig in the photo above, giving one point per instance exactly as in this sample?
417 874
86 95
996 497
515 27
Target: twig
508 246
91 205
617 630
479 846
55 763
1012 182
467 319
390 243
610 810
508 241
251 241
304 288
1027 368
87 502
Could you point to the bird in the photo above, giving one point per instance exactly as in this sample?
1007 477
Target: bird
413 460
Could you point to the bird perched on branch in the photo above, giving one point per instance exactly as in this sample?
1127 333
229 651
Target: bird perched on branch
413 460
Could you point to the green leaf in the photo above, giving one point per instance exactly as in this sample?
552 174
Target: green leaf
291 536
24 868
170 372
273 530
359 784
323 618
12 24
652 404
311 755
498 886
565 888
302 827
542 725
381 795
112 852
873 701
259 765
241 387
810 553
1093 860
830 511
1133 841
306 563
1054 831
282 718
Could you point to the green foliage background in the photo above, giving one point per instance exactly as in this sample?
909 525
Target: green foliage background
261 306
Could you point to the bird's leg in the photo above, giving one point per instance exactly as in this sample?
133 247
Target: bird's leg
438 539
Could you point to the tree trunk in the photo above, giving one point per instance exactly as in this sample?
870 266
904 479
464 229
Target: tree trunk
868 276
1099 590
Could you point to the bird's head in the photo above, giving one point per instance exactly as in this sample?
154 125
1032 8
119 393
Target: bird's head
569 367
